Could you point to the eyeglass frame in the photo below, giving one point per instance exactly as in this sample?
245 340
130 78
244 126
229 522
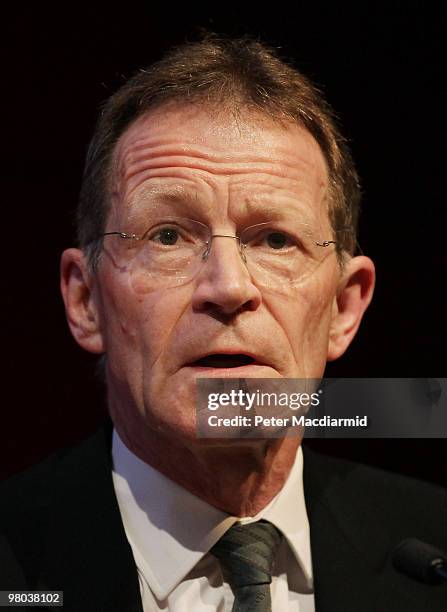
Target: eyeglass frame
242 246
126 236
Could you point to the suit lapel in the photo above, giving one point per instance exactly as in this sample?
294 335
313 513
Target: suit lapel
342 578
88 556
351 548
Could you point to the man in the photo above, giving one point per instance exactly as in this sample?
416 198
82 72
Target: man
216 238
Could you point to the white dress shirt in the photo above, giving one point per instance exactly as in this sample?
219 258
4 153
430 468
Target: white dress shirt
170 531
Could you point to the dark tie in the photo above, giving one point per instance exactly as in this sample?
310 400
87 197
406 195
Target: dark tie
246 554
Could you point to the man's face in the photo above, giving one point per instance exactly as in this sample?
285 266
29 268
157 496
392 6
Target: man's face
228 175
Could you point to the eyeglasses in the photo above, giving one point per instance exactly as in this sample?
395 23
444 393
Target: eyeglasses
173 249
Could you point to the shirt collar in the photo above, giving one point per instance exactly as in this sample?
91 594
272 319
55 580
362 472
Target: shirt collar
170 529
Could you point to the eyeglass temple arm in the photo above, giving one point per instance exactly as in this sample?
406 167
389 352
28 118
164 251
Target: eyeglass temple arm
122 235
325 243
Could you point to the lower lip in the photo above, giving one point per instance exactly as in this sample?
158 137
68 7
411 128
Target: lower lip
250 370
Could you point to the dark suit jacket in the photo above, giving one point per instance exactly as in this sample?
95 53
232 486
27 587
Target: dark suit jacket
61 529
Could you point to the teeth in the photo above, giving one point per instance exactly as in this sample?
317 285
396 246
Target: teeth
224 361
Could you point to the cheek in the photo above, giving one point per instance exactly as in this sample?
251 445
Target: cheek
316 330
138 326
123 338
305 320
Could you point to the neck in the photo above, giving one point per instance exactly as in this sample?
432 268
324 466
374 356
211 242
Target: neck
239 477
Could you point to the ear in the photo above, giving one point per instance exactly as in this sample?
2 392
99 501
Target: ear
353 297
81 301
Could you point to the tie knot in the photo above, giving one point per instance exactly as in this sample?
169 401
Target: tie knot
247 552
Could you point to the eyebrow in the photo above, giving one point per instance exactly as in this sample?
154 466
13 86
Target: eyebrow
177 196
173 195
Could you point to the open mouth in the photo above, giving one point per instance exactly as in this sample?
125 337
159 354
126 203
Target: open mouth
222 360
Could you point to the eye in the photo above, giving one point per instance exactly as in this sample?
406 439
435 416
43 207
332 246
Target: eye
269 238
167 236
175 233
277 240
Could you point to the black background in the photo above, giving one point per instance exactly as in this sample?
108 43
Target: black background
382 68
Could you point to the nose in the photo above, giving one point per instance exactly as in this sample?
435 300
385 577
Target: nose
224 283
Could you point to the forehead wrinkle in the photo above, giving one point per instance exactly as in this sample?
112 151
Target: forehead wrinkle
189 130
254 202
132 157
299 196
134 160
134 153
177 197
272 202
200 162
124 192
281 170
